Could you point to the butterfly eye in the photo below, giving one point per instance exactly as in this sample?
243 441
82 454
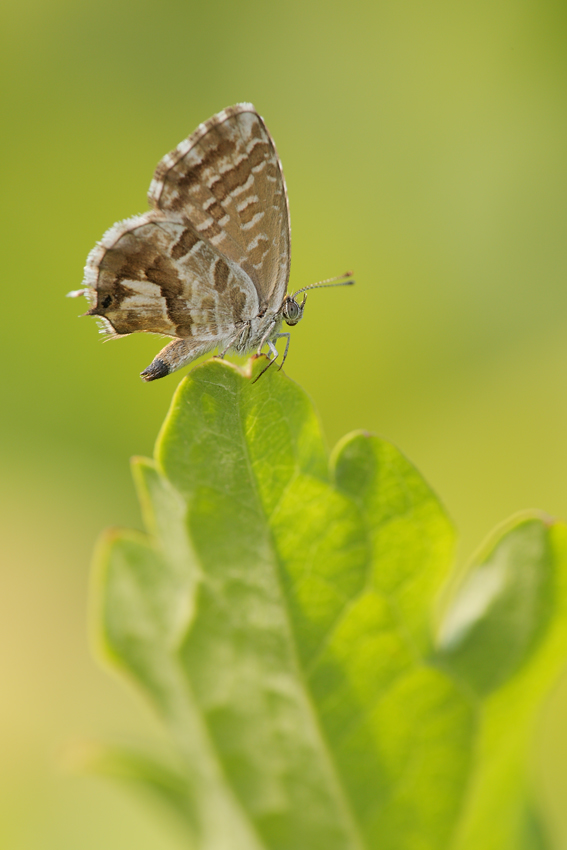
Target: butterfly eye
292 311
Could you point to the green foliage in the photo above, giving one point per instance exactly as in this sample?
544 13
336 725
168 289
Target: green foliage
278 615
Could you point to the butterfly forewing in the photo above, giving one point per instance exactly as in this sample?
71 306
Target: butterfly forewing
226 179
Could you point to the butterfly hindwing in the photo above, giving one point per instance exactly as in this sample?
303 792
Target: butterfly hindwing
156 275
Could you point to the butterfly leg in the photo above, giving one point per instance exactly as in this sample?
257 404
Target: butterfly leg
271 346
237 341
287 338
265 339
222 353
175 355
273 350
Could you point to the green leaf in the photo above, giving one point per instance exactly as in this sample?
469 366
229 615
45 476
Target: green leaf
277 615
505 635
502 608
165 781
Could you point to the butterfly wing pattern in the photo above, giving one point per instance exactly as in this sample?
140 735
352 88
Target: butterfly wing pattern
209 263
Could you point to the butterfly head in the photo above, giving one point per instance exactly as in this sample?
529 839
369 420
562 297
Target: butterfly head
292 311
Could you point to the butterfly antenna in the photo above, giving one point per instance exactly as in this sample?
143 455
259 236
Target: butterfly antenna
330 281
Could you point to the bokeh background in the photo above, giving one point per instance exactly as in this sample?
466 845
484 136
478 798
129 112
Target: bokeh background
424 144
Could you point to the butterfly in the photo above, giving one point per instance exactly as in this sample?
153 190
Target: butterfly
209 263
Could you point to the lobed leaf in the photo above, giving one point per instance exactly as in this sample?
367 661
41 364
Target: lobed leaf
278 613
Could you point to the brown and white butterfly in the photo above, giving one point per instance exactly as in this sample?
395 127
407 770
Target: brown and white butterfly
209 263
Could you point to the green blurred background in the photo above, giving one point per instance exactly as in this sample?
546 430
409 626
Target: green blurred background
424 145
